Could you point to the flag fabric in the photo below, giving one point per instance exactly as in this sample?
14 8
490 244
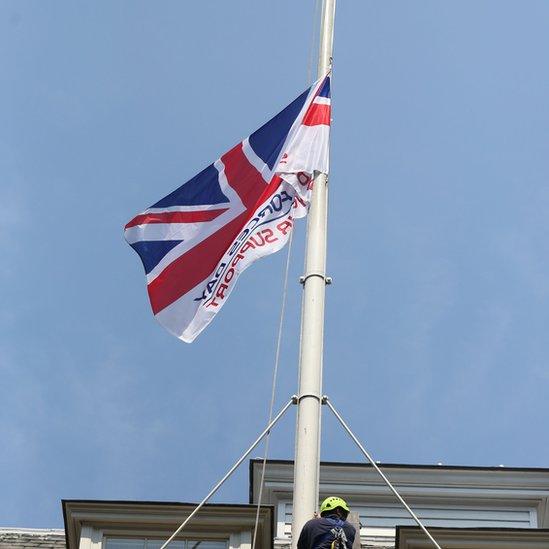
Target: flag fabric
195 242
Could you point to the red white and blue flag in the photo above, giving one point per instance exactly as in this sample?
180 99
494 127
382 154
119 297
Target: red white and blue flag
196 241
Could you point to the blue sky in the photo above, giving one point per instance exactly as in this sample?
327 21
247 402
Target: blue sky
437 346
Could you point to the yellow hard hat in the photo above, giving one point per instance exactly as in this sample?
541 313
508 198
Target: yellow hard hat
333 502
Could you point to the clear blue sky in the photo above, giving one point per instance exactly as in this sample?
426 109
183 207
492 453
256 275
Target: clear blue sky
437 339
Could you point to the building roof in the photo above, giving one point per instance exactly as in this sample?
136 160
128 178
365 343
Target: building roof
32 538
411 537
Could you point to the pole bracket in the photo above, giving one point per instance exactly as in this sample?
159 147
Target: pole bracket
327 279
297 399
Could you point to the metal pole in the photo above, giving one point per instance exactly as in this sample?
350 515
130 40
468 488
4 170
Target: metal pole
374 465
307 452
230 472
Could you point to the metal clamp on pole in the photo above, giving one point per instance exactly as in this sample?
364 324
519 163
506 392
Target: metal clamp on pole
296 399
327 279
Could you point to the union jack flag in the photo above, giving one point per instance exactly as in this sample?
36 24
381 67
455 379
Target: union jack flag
194 242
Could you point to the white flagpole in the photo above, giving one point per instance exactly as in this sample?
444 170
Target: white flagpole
307 452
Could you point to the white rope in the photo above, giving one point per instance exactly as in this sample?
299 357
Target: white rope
275 376
314 39
316 16
380 472
270 425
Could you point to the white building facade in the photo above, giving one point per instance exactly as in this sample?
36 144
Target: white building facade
463 507
484 500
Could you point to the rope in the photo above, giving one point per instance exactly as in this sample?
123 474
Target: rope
314 40
275 376
368 456
316 17
230 472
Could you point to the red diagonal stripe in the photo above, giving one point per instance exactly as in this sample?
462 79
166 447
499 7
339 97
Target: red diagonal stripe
317 114
175 217
242 176
197 264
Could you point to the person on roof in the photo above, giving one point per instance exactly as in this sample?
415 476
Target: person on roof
329 531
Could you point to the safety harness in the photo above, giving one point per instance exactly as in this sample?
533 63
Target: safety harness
336 534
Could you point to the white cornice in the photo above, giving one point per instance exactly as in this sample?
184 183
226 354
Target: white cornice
499 483
159 519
